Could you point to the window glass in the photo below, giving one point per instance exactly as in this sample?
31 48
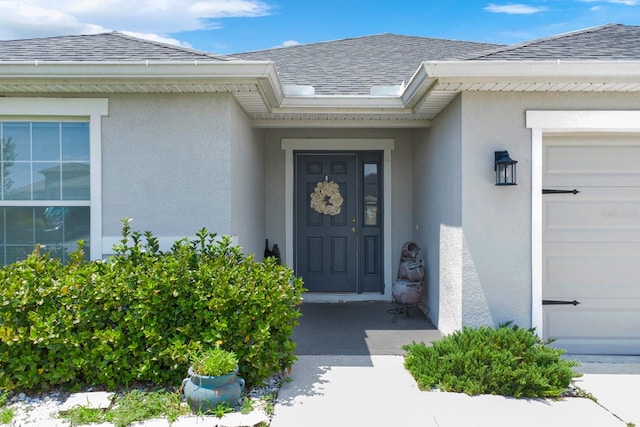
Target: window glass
74 141
371 194
76 179
56 228
46 181
16 180
45 141
16 138
19 226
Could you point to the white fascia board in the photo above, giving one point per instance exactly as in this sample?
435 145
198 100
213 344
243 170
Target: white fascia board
177 69
584 121
349 103
420 84
482 70
341 123
261 72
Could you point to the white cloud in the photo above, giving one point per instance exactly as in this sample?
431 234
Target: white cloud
514 9
289 43
158 38
624 2
151 18
20 20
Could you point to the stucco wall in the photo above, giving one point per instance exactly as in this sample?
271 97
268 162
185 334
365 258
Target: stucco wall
401 170
166 164
247 182
437 214
497 220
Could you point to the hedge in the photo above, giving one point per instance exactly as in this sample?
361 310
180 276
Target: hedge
138 316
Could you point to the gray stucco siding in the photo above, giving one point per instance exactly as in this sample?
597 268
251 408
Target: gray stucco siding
166 164
437 214
248 190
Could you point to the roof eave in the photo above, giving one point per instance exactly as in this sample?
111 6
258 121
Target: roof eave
262 73
531 69
426 84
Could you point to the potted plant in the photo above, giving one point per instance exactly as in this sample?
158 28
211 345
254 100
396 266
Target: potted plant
212 381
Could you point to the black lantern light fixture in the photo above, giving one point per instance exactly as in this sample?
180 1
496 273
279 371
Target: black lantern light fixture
505 168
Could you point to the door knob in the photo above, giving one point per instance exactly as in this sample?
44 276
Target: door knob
353 229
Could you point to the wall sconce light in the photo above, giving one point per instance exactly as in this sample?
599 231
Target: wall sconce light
505 168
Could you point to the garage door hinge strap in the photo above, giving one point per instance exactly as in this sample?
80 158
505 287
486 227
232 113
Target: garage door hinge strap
556 302
546 191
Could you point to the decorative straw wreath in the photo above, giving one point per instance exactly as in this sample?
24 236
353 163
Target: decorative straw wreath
326 198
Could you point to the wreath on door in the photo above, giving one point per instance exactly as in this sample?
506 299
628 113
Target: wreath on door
326 198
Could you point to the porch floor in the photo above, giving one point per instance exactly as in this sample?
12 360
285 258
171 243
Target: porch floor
359 328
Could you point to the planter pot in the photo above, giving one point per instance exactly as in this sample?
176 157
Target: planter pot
203 393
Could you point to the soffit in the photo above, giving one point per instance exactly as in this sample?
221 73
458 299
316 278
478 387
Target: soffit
443 92
260 93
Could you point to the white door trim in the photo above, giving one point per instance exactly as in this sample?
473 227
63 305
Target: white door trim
316 144
541 122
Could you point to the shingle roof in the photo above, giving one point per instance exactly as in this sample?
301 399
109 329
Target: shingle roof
97 47
609 42
352 66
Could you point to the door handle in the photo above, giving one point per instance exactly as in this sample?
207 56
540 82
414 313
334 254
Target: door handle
353 230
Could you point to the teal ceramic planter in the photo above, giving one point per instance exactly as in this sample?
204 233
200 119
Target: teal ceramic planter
203 393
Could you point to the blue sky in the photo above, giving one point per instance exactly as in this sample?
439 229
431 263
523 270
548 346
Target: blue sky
227 26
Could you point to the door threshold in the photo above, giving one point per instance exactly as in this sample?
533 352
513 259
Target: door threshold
322 297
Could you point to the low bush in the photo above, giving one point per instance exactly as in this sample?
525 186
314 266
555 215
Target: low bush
141 315
508 361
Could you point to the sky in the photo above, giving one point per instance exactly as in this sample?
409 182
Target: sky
229 26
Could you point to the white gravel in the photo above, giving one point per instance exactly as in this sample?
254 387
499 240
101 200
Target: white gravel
42 410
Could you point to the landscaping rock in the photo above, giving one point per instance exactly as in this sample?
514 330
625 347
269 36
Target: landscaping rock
93 400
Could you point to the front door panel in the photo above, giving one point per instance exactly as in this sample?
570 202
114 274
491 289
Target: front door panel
326 244
338 250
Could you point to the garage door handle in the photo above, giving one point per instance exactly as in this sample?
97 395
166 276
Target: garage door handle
547 191
556 302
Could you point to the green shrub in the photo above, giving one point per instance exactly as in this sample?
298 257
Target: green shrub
141 315
508 361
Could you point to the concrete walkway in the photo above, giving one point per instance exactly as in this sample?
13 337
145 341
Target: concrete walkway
376 390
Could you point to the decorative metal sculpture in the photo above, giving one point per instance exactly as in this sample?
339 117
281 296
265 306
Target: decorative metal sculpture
407 289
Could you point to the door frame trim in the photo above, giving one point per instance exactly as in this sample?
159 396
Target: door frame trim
541 122
289 145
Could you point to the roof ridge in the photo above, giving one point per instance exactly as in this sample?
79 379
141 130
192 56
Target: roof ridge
163 44
57 37
301 45
515 46
306 44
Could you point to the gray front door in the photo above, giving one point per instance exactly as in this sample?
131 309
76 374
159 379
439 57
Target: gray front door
339 240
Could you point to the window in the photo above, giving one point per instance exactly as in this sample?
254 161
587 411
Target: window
371 191
49 176
44 165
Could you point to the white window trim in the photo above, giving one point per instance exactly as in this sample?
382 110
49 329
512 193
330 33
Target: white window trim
384 145
39 109
541 122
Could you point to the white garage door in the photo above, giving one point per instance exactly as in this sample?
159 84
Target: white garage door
591 243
